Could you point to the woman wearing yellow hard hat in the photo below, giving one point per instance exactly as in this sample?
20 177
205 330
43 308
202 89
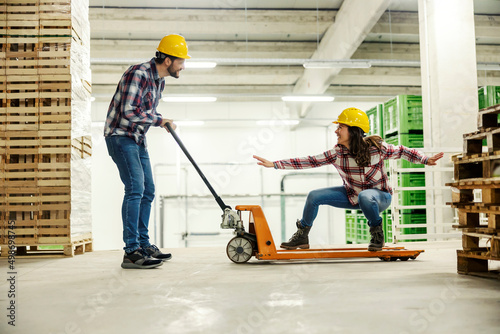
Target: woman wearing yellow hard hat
132 111
360 163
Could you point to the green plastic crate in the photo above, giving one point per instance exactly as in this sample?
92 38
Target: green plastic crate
411 180
488 96
387 226
411 140
412 197
403 114
375 116
362 229
350 226
358 231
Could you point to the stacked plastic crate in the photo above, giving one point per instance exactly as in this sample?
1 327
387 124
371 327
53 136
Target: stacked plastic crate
350 226
403 125
488 96
45 144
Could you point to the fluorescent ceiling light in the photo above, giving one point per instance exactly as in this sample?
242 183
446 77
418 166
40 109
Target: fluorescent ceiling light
189 123
488 67
200 64
306 98
189 99
337 64
278 122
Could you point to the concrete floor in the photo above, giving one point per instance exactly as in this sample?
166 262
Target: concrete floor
201 291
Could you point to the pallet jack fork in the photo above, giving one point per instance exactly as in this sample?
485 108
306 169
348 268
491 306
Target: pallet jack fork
259 242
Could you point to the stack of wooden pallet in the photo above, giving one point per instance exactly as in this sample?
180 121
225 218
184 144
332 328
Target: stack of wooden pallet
45 143
479 169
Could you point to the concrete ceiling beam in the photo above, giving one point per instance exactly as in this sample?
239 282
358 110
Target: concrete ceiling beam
155 22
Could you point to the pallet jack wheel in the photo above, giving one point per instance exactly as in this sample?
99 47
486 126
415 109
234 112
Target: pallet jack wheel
239 250
387 258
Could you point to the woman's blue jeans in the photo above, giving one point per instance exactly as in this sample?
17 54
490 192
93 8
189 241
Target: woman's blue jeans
371 201
135 172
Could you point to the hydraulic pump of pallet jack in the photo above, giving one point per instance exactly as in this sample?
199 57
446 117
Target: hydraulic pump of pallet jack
231 219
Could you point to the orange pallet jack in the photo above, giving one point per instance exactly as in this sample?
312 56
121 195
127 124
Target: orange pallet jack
259 242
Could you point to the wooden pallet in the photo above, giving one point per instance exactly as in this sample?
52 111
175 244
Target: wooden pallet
473 142
19 10
35 158
476 263
44 224
34 199
36 54
76 246
470 242
42 111
480 167
488 118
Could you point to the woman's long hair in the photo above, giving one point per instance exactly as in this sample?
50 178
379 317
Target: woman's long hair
359 146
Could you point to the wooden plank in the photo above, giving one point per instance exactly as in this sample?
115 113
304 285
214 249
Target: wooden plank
476 209
476 255
481 235
53 231
479 183
54 240
55 222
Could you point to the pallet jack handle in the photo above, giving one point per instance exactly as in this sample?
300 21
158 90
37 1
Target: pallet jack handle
219 201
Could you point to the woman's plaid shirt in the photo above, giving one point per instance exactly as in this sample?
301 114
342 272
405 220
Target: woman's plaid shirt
133 107
357 178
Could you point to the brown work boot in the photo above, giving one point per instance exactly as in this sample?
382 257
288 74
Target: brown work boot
299 239
377 239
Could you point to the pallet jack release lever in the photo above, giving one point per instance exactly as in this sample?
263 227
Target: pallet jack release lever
230 218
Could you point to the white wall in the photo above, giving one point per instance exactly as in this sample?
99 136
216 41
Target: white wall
218 142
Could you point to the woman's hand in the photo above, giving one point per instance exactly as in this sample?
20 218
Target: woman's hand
264 162
432 160
164 121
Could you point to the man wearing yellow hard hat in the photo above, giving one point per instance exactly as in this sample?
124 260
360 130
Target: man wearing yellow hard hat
132 111
360 163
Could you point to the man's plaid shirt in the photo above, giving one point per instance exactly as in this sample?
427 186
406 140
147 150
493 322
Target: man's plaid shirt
133 107
357 178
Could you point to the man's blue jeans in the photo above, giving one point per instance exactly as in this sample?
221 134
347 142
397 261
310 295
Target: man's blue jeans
371 201
135 172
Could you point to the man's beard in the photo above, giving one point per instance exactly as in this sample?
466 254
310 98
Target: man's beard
172 73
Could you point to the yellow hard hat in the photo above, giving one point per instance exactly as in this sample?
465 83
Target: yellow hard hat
354 117
174 45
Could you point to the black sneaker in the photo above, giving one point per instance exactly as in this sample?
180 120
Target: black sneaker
139 259
155 252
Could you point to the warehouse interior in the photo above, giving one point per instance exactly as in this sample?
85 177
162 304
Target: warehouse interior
267 79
